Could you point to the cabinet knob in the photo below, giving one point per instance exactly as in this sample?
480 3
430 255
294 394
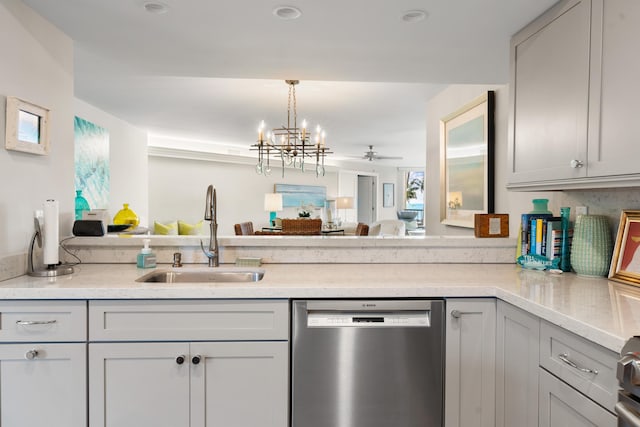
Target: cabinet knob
576 164
196 359
31 354
180 359
456 314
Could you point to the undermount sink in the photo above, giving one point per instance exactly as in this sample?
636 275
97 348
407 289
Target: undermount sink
208 275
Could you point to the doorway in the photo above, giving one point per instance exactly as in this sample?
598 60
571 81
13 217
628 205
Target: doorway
366 199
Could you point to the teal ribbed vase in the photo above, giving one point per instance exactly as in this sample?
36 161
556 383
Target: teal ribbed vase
592 246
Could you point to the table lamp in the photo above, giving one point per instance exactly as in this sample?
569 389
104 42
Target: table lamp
272 204
344 203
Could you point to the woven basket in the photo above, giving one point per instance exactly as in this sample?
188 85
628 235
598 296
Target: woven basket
302 226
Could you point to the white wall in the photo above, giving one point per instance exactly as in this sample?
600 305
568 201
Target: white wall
603 202
37 66
177 190
127 161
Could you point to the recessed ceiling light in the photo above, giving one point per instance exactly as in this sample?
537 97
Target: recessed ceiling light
414 15
155 7
287 12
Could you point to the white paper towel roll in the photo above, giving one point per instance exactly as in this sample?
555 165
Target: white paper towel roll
50 232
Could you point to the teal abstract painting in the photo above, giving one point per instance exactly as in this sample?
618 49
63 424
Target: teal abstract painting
92 162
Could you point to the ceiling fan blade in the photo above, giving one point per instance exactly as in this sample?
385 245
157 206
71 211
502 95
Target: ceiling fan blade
387 158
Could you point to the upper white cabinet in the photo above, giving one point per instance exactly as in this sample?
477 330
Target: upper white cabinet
573 95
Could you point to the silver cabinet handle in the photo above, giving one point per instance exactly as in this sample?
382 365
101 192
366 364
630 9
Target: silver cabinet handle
627 416
456 314
565 358
35 322
31 354
576 164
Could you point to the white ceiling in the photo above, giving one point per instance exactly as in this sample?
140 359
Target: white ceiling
210 70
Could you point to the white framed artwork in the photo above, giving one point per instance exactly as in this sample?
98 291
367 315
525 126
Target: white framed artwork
27 127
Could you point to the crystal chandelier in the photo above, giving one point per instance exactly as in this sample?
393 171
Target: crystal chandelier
291 145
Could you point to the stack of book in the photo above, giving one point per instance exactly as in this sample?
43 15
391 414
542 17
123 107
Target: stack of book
541 234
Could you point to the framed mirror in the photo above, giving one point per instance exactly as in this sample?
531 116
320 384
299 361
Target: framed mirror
466 162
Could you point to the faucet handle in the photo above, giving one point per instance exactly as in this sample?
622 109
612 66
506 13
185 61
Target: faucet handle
177 260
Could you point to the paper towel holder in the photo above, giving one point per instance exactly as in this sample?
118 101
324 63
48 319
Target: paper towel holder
52 270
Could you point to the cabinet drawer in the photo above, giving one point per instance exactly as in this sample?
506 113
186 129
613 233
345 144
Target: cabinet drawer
580 356
561 405
188 320
43 321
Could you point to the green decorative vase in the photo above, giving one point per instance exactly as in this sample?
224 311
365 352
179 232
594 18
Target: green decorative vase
592 246
81 204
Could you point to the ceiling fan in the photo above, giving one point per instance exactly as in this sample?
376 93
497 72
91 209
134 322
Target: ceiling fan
373 155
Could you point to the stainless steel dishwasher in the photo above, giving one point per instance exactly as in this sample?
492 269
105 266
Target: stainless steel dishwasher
367 363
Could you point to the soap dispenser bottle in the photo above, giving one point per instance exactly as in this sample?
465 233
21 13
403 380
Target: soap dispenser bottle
146 258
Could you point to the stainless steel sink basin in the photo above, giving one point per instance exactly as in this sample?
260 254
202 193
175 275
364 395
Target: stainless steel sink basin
204 275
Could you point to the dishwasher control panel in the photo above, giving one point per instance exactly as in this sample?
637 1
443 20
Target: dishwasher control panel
368 319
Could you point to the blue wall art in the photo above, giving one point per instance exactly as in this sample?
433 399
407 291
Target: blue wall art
92 162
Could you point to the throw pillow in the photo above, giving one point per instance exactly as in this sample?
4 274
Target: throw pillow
166 229
185 229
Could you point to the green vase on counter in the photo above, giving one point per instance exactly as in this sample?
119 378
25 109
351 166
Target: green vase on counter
81 205
592 246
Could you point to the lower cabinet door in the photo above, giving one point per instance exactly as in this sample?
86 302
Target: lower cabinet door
139 385
43 385
239 384
563 406
470 366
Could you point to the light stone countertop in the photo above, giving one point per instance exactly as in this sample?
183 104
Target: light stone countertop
602 311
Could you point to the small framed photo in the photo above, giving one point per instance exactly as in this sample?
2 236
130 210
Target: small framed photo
27 127
625 262
387 195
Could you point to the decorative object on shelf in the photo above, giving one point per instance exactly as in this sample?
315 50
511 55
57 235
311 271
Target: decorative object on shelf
466 147
81 205
272 204
291 144
565 239
540 206
625 262
591 247
27 127
126 216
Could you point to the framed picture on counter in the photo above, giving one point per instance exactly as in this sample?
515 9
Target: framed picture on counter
625 262
466 162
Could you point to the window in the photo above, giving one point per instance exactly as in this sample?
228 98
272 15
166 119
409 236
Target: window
414 193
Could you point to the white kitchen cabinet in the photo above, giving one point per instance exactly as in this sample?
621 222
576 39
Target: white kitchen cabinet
573 95
43 363
563 406
470 362
614 144
43 384
180 382
550 95
517 361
